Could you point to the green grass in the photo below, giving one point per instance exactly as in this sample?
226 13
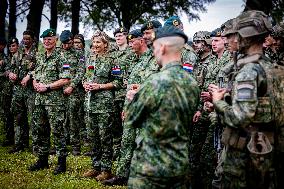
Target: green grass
14 173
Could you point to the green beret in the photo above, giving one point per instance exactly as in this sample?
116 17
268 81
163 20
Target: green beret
170 31
216 33
48 33
151 25
173 21
13 40
120 30
65 36
134 34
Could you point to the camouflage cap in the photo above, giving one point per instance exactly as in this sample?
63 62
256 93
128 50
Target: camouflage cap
65 36
173 21
150 25
3 41
170 31
203 36
278 30
134 34
48 33
120 30
216 33
253 23
13 40
81 37
101 35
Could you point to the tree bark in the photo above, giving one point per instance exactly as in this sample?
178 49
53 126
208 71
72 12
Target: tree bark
34 16
75 16
53 14
12 19
3 11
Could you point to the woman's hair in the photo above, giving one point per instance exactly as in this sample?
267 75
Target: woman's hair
103 36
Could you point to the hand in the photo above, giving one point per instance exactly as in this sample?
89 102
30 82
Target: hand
130 94
25 80
68 90
94 86
122 115
40 87
212 88
134 86
205 96
1 62
218 94
196 116
13 76
208 106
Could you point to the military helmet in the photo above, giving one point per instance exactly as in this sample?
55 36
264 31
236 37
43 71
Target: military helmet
278 30
229 27
252 23
202 36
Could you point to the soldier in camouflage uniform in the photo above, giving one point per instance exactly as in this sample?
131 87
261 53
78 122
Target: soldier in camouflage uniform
246 117
5 96
98 83
202 45
74 90
145 66
52 72
278 36
158 109
148 30
208 157
124 59
20 70
188 56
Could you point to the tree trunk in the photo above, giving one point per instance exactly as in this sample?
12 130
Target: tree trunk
3 11
12 18
34 16
53 14
75 16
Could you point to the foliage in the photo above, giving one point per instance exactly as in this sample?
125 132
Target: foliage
113 13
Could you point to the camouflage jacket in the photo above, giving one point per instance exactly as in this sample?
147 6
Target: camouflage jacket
4 60
48 70
101 101
249 84
123 62
164 116
76 62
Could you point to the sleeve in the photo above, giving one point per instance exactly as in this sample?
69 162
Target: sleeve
245 102
144 101
79 72
116 74
64 68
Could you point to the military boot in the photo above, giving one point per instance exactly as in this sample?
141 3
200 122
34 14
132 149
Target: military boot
61 165
116 180
42 163
104 176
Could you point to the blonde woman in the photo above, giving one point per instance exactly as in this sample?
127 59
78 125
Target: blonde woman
99 84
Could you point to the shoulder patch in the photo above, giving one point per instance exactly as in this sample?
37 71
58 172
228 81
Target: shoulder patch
245 91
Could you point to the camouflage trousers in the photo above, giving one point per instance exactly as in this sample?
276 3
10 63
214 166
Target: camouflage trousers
5 111
198 138
239 169
76 120
117 127
128 146
99 127
139 181
22 106
49 119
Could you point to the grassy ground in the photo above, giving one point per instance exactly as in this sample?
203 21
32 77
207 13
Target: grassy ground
14 173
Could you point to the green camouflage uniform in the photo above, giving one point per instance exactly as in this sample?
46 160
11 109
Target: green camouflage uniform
100 109
123 61
200 128
208 156
23 99
75 112
237 165
163 114
5 101
145 66
50 106
188 56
